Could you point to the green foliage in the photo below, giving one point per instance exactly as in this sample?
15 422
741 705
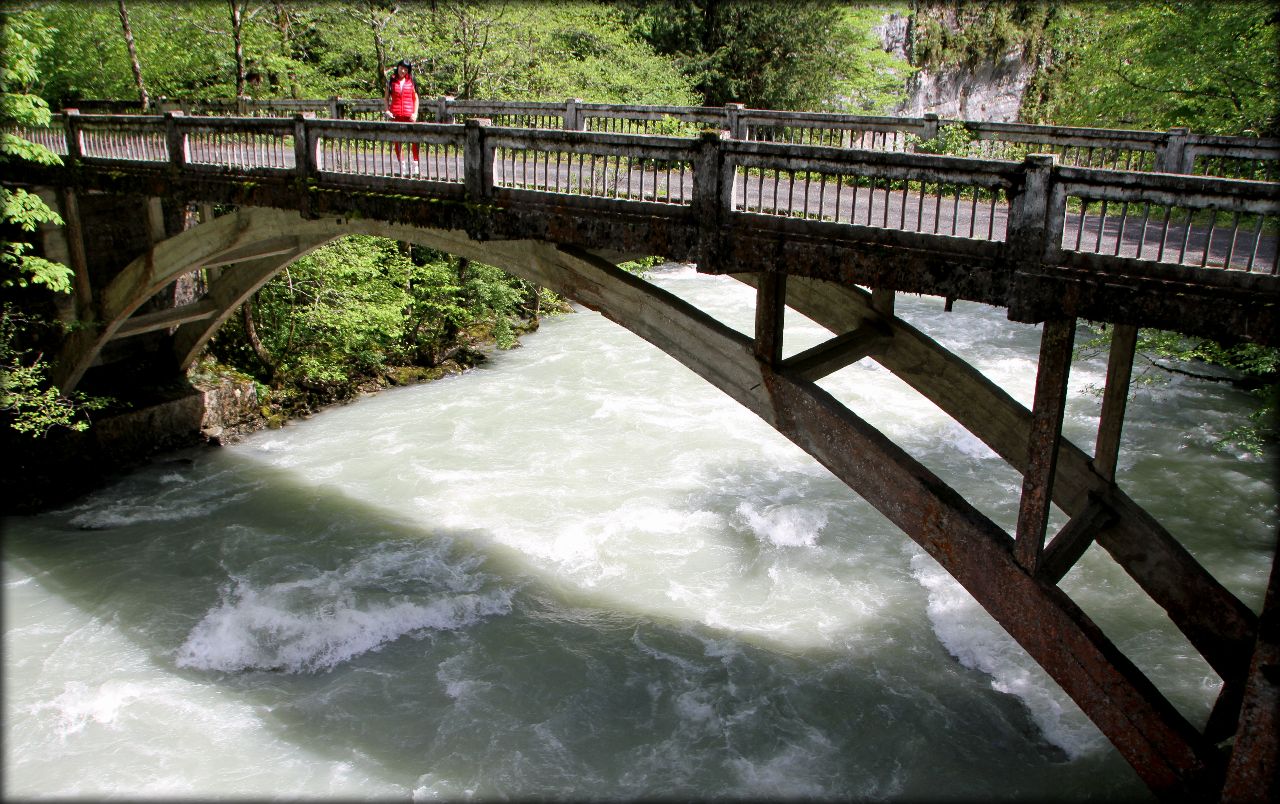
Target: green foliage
28 402
346 313
1246 365
952 139
641 266
21 268
503 50
969 32
1203 64
798 54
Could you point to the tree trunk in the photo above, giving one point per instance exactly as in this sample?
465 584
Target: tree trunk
251 332
133 57
284 24
237 38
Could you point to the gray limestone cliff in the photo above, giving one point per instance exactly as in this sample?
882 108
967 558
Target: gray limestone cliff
991 90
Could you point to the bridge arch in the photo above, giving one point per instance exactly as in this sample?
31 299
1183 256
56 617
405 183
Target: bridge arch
252 244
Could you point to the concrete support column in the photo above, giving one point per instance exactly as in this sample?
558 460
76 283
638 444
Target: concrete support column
79 260
335 108
1124 340
882 301
304 155
156 228
175 141
478 175
1056 344
771 306
712 193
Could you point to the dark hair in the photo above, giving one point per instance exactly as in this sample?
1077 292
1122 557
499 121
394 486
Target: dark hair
405 64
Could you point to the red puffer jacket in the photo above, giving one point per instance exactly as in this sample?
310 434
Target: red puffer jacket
404 96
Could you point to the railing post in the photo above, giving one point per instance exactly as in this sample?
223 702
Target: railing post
712 195
733 120
573 115
478 176
1027 237
334 108
74 138
930 130
304 158
443 114
175 142
1171 154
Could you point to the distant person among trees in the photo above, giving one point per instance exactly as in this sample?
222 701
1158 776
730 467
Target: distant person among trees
401 100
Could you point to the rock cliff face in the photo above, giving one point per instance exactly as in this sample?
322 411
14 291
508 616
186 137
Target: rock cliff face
229 410
990 91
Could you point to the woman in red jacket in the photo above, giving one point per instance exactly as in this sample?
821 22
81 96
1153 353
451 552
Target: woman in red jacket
401 101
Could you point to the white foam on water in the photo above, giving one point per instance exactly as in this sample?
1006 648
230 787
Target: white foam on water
978 643
80 704
315 623
792 772
784 525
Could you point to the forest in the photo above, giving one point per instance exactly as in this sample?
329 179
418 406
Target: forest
363 312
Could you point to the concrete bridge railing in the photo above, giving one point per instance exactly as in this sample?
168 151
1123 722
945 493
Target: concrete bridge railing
1202 230
1175 151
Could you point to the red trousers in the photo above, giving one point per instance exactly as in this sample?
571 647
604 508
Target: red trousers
405 119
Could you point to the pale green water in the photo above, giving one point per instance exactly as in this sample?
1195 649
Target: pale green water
581 572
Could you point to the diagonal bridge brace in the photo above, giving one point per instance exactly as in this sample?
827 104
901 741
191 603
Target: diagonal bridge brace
1220 627
1167 751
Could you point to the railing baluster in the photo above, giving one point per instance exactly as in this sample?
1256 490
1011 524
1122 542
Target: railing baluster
1257 241
991 217
1235 232
902 219
1186 239
1124 216
1102 225
920 207
1164 233
1142 239
1208 243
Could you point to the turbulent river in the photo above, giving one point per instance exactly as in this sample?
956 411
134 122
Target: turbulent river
581 572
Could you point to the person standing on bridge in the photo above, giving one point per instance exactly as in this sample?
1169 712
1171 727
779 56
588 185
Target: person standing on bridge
401 100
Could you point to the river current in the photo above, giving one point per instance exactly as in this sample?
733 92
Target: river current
581 572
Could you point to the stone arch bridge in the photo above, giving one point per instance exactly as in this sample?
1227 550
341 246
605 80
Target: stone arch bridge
830 215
